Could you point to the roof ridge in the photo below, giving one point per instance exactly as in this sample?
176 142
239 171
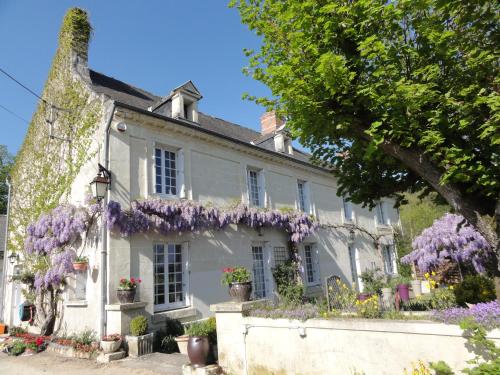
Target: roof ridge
229 122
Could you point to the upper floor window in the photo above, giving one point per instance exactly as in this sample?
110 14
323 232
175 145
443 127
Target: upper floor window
168 171
255 191
303 196
348 213
382 218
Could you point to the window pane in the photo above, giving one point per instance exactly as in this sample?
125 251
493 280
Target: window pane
280 255
258 272
347 210
253 188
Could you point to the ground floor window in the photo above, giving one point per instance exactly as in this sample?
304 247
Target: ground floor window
170 266
389 259
259 277
355 267
311 264
280 255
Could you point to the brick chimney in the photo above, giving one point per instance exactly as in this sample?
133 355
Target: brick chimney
269 123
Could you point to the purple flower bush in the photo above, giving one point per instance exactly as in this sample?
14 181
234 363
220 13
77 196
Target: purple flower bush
450 237
300 312
188 216
486 314
48 243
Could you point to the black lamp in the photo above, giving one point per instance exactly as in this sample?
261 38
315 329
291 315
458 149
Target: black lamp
100 183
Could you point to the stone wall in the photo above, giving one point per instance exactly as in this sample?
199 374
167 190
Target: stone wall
251 346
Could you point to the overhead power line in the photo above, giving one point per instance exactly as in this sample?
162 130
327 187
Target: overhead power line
24 86
14 114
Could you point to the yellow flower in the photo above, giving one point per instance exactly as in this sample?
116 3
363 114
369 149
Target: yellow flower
426 275
433 273
450 287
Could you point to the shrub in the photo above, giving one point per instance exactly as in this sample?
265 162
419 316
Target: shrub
139 325
369 308
289 290
17 347
475 289
14 331
373 280
164 341
86 337
443 298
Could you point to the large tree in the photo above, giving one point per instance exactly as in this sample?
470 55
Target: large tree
6 161
395 95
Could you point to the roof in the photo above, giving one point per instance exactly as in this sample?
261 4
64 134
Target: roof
135 97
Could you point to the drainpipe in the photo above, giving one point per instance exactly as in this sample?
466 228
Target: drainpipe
104 233
5 264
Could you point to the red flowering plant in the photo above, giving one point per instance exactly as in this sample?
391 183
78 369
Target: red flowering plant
127 284
238 274
112 337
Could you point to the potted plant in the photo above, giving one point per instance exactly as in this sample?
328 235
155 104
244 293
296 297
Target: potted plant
416 287
81 263
111 343
401 285
373 281
3 328
387 295
126 289
238 280
182 343
201 334
139 342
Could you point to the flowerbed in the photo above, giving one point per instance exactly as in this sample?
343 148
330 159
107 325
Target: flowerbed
301 312
487 314
20 343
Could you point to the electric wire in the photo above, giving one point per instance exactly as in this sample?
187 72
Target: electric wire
24 86
14 114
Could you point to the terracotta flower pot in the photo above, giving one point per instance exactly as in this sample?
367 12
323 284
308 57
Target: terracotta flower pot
125 295
182 343
240 292
80 266
198 348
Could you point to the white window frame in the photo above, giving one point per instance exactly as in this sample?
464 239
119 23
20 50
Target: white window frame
347 207
260 180
355 266
389 259
381 214
315 269
304 206
185 277
179 172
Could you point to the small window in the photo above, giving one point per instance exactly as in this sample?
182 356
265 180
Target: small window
255 194
348 213
186 112
382 218
311 265
388 255
280 255
168 172
302 196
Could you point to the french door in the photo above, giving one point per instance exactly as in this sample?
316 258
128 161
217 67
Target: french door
170 276
261 269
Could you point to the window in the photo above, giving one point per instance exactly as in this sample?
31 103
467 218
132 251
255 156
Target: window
169 276
382 218
166 172
388 255
280 255
255 194
311 265
259 278
355 268
303 198
348 214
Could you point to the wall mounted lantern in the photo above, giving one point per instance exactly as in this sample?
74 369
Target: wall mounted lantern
100 183
13 258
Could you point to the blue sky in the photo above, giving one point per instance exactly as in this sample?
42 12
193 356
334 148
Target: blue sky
155 45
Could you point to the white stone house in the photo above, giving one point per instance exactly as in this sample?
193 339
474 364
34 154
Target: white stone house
165 147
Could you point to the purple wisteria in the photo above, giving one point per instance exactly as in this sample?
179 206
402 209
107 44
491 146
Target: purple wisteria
187 216
450 237
50 238
487 314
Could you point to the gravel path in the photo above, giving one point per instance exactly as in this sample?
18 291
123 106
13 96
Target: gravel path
49 363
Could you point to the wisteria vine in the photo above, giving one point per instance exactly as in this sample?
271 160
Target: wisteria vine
50 239
184 216
449 237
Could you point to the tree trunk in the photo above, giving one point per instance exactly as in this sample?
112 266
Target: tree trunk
46 311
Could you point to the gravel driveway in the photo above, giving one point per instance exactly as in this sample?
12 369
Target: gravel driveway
49 363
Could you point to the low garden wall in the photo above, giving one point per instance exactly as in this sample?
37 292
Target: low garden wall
251 345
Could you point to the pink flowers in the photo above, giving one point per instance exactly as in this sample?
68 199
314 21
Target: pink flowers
129 284
227 269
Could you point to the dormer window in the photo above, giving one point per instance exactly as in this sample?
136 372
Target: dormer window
182 102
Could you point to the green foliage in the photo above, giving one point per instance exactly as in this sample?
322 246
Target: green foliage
289 290
441 368
17 347
6 162
343 297
206 328
165 338
373 280
443 298
487 358
238 274
13 331
369 308
86 337
475 289
407 89
139 326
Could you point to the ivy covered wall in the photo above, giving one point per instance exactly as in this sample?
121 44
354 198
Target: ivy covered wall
46 166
